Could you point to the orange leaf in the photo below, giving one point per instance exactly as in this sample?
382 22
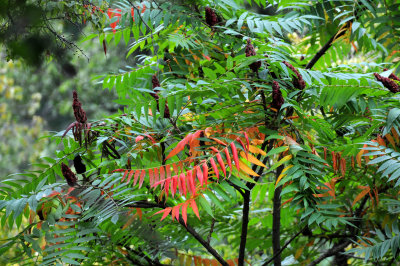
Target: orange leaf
221 163
162 172
343 166
242 144
325 153
184 211
256 150
215 168
219 141
247 140
235 155
174 185
151 176
205 173
247 169
199 174
156 175
381 141
334 161
166 212
125 173
139 212
228 160
194 208
142 178
135 179
175 212
253 159
190 180
361 195
391 140
179 147
166 187
182 183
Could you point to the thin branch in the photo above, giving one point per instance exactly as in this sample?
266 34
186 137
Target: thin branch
211 230
203 242
276 220
327 45
284 247
330 252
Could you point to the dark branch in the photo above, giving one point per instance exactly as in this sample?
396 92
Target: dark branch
245 222
284 247
203 242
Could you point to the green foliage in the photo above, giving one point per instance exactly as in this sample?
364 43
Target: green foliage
224 129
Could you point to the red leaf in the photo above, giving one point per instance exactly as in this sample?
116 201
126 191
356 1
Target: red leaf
215 168
244 147
189 176
168 170
205 173
184 212
247 140
228 160
214 149
156 175
174 185
161 182
118 170
162 172
175 167
129 176
138 138
195 209
183 184
179 147
166 187
123 178
199 175
235 155
221 163
135 179
175 212
219 141
166 212
151 176
142 178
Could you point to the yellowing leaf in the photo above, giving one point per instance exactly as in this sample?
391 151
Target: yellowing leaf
247 169
252 159
361 195
254 149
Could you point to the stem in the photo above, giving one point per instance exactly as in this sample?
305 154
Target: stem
324 48
276 221
203 242
245 222
284 247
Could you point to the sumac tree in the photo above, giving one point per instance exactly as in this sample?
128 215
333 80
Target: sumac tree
243 138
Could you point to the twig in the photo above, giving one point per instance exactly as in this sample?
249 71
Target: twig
203 242
211 230
276 220
284 247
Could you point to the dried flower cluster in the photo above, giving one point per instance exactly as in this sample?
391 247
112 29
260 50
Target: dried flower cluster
156 84
277 99
68 175
250 51
79 166
388 83
298 82
211 17
392 76
79 113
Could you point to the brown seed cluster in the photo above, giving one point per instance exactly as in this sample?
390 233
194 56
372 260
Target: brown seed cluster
156 83
211 17
68 175
392 76
250 51
79 166
298 81
388 83
277 98
79 113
